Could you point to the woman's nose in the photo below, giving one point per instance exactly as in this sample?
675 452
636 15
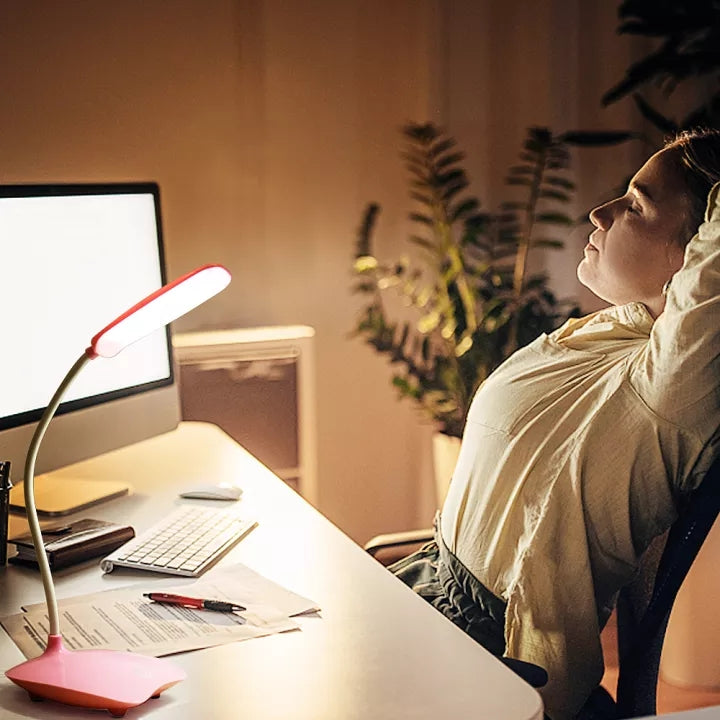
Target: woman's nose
600 216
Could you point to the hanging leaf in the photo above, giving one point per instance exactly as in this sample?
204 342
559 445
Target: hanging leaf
423 242
463 346
598 138
428 322
666 125
364 263
419 217
559 182
522 170
555 195
421 197
553 217
463 208
441 146
451 191
449 159
519 181
546 243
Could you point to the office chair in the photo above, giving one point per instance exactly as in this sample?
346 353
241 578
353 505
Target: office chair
643 606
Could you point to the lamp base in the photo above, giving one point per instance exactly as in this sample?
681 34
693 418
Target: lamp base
100 679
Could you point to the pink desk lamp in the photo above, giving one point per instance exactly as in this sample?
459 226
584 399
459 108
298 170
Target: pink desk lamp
105 679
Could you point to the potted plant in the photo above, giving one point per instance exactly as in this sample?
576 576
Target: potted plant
468 298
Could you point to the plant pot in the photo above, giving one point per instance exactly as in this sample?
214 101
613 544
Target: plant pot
445 454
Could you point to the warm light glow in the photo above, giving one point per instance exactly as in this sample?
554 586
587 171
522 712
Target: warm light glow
159 309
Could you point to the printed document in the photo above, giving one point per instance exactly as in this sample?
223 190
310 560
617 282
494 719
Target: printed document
123 619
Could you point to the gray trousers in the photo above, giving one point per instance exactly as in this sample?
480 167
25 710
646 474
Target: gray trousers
434 573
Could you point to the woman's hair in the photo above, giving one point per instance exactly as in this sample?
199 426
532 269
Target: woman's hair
698 153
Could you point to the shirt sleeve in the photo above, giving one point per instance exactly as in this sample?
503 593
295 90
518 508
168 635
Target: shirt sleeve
677 373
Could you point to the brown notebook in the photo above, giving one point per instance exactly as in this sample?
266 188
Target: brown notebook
70 543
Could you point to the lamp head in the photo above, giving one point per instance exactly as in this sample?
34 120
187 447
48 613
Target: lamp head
158 309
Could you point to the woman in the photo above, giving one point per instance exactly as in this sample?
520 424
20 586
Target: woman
577 449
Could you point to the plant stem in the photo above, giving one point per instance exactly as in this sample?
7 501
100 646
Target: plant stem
524 246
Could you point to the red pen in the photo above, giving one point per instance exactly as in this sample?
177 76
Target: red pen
197 603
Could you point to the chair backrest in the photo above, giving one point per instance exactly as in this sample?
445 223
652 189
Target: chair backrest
643 608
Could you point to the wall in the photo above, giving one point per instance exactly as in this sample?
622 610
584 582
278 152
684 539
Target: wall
546 63
269 126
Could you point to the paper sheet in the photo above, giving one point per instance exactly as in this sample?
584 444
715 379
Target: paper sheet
125 620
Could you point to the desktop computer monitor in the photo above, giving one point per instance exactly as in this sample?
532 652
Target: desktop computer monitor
72 258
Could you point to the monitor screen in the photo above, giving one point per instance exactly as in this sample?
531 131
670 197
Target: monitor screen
73 258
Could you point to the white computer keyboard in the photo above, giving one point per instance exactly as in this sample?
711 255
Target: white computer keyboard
187 542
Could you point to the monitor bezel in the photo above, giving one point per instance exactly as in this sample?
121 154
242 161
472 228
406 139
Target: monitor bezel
95 188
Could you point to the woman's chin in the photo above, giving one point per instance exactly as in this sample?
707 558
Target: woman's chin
584 276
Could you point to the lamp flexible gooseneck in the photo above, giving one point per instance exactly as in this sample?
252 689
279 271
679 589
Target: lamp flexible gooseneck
29 492
104 679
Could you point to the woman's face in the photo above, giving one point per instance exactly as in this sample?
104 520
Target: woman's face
637 244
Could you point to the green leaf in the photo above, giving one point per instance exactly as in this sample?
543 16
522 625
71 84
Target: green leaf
477 222
364 233
662 123
421 198
420 218
448 329
559 182
598 138
403 337
388 281
449 159
364 263
421 133
518 181
463 208
425 349
558 218
546 243
555 195
451 191
654 65
463 346
452 176
441 146
364 287
424 243
522 170
428 322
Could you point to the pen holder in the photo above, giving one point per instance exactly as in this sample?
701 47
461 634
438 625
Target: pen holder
5 486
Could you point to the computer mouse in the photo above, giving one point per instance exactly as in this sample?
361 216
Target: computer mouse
221 491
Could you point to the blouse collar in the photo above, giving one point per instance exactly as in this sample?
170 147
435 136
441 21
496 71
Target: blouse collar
618 322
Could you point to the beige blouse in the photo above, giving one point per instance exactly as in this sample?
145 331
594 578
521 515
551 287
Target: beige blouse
574 453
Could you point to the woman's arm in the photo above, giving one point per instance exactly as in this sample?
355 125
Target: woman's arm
678 375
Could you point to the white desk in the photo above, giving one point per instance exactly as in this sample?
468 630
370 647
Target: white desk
377 652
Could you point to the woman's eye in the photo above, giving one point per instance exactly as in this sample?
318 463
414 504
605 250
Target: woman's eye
632 209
